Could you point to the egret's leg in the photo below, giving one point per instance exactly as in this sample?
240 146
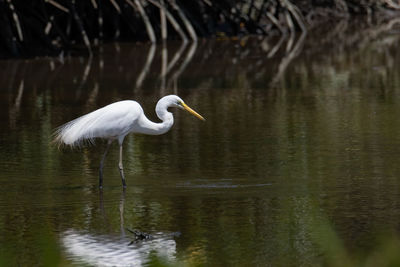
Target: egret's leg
102 164
121 167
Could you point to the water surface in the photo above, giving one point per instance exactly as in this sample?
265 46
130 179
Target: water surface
300 135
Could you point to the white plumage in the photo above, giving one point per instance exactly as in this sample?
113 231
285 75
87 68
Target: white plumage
115 121
108 122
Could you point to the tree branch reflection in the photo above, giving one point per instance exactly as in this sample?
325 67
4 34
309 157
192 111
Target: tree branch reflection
146 67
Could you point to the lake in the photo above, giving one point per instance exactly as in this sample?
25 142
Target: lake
297 163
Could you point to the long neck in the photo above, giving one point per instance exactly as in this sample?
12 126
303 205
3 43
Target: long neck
153 128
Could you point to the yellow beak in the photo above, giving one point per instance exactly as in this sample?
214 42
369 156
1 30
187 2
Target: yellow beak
192 112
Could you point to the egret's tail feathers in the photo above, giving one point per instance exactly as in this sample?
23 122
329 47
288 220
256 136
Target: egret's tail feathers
75 133
108 122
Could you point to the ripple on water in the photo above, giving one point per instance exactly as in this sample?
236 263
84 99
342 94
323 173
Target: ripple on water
218 185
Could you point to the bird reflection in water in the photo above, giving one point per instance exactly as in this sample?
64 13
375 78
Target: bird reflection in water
105 250
116 250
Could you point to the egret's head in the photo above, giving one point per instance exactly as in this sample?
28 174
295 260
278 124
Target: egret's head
176 101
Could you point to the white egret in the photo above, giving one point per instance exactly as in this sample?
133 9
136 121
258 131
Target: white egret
115 121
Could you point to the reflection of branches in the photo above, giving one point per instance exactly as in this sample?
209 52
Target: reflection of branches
166 67
121 211
146 67
85 75
224 57
86 71
101 203
375 31
178 72
290 42
361 39
15 109
337 32
164 63
342 35
12 73
90 104
288 58
176 57
276 46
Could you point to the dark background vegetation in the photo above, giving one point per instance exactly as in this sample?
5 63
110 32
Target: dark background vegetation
50 27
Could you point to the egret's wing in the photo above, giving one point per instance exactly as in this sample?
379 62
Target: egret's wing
108 122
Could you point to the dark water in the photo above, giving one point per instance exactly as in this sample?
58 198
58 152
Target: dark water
297 163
